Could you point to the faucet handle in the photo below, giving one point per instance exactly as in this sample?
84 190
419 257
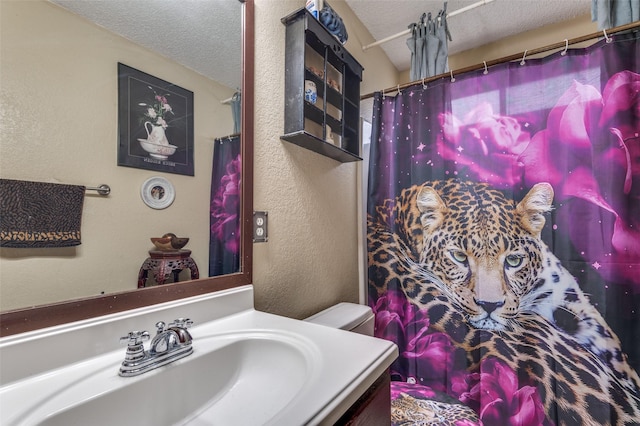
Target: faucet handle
181 322
135 349
160 325
135 337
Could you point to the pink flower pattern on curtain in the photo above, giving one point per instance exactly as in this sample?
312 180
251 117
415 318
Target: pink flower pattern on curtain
224 208
600 166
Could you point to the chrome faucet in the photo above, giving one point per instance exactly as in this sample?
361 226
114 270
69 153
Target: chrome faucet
168 345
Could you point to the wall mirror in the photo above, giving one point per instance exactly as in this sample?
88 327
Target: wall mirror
44 315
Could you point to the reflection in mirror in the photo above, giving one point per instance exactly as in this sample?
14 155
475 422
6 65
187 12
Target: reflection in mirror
59 102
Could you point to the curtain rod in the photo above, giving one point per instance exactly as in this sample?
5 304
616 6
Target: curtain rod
408 31
510 58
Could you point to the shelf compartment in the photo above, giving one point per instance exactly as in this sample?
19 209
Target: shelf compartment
313 143
315 114
333 96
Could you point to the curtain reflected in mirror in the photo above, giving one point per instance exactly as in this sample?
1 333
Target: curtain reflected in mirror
226 184
236 111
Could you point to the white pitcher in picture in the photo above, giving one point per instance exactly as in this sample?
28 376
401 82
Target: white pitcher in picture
156 135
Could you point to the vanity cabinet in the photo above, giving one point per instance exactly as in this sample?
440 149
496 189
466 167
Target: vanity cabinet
327 120
373 408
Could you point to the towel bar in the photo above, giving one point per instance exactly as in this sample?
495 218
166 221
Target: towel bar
103 189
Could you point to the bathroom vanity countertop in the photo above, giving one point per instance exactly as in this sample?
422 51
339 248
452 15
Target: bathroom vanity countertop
338 366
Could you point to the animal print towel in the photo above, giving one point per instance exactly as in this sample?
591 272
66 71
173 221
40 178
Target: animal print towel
38 214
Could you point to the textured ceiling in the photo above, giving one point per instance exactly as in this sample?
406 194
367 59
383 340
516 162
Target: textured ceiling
484 24
204 35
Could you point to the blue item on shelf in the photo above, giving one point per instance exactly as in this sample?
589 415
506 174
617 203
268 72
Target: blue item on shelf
333 23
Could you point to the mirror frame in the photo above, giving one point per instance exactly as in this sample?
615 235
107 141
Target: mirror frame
29 319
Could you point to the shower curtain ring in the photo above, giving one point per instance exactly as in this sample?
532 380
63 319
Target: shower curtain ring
566 46
398 89
424 86
522 62
452 79
383 94
606 37
486 71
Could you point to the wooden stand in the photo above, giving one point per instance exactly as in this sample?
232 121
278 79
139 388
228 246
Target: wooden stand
164 263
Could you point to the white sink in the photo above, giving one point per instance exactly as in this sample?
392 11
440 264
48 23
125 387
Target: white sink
260 373
247 368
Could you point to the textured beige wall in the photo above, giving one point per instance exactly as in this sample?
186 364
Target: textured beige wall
533 39
58 82
311 259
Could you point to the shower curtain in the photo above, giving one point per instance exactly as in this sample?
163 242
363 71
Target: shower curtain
503 225
224 219
614 13
236 111
428 45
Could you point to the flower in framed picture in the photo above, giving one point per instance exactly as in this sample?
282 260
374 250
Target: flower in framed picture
153 119
156 109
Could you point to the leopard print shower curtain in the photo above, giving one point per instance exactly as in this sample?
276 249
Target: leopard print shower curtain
504 241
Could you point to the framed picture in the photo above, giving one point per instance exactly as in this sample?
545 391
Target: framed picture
157 192
155 123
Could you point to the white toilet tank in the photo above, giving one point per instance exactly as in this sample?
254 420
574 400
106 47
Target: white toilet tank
346 316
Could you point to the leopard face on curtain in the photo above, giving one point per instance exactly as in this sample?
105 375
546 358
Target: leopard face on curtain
504 241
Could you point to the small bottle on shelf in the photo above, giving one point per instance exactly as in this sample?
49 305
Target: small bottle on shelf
314 6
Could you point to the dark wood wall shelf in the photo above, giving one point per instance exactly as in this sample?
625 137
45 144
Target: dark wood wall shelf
331 125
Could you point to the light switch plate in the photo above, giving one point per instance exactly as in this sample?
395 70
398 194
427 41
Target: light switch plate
260 227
